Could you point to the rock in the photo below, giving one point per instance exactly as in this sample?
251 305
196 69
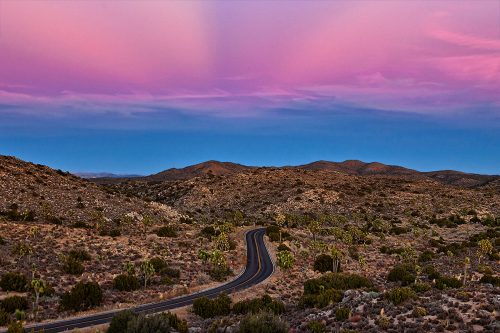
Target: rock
194 329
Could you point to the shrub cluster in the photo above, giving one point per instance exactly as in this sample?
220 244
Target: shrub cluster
426 256
73 266
400 294
130 322
342 313
79 254
258 304
323 263
404 273
315 326
167 231
444 282
340 281
494 280
13 303
5 318
263 322
13 282
126 282
208 232
321 299
83 295
208 308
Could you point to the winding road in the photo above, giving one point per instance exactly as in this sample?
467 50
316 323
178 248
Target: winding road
259 267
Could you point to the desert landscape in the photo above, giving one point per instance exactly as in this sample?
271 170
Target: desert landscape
383 249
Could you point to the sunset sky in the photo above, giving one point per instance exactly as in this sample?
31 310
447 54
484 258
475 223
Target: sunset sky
141 86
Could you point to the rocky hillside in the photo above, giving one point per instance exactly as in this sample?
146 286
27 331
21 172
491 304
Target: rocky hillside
36 192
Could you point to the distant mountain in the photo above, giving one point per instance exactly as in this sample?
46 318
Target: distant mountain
215 168
91 175
351 167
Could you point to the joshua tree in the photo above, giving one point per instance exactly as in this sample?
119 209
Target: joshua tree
222 242
485 248
466 266
336 257
147 270
129 268
314 228
280 222
362 262
146 222
39 287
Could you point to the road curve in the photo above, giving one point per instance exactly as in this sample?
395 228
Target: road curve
259 267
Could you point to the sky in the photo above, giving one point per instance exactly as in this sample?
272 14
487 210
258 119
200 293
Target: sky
142 86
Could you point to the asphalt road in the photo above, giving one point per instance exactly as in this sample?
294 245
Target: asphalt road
259 267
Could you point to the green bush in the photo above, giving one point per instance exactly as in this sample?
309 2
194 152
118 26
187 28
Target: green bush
219 273
207 308
167 231
13 303
170 272
2 241
83 295
15 327
283 247
80 255
262 322
274 237
494 280
315 326
400 294
322 299
180 325
338 281
158 263
13 282
342 313
323 263
421 287
208 232
444 282
72 266
258 304
126 282
431 272
120 321
5 318
404 273
158 323
426 256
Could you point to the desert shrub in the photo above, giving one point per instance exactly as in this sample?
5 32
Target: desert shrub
207 308
494 280
400 294
391 250
111 232
322 299
158 263
404 273
340 281
186 220
2 241
419 311
444 282
257 304
80 225
180 325
83 295
208 232
421 287
167 231
397 230
170 272
120 321
158 323
272 229
274 237
315 326
285 259
431 272
5 318
342 313
80 254
15 327
262 322
13 303
72 266
426 256
219 273
323 263
126 282
13 282
283 247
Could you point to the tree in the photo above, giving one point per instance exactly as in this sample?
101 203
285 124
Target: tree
314 228
466 266
280 220
485 248
222 242
39 287
147 221
336 255
147 270
285 259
